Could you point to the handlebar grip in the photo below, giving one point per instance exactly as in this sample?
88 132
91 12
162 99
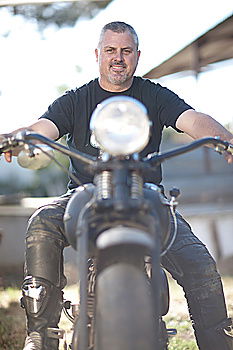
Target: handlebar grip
7 143
4 146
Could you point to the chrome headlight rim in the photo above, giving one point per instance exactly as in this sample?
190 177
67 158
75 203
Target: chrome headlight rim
132 126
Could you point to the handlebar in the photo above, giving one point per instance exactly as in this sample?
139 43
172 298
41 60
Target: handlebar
86 158
220 147
22 138
154 159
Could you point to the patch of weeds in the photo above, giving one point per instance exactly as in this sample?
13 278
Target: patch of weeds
177 343
184 340
11 332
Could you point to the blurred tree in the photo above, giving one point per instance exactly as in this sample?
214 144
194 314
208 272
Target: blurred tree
60 14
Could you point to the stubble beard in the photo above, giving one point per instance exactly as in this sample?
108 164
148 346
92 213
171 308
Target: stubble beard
118 79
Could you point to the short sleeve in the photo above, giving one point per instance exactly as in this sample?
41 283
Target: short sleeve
170 107
61 112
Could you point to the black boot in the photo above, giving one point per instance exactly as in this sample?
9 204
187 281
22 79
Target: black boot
219 337
43 305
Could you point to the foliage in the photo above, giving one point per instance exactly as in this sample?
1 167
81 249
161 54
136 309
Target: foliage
59 14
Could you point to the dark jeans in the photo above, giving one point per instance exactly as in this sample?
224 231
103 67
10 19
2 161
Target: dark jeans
188 261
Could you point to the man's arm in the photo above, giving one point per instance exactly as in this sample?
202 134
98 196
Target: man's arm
44 127
198 125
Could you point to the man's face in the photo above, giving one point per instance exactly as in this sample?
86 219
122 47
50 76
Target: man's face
118 58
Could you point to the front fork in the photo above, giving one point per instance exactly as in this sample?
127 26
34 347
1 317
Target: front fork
74 310
122 189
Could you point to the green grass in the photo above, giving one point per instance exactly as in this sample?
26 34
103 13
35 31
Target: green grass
178 318
184 339
12 328
11 338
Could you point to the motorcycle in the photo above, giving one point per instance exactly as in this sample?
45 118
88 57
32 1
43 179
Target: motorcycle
120 227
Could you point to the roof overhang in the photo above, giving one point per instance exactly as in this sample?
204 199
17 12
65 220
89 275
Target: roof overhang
214 46
36 2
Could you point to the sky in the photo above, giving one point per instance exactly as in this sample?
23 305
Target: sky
33 66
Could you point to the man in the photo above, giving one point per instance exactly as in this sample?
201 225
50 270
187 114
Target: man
188 260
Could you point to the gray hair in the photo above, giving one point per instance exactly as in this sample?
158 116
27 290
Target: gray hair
119 27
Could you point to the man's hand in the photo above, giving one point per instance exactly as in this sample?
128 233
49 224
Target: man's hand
198 125
9 154
44 127
228 156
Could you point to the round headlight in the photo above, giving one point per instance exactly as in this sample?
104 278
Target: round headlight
120 125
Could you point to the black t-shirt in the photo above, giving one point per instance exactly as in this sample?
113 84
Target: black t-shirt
72 111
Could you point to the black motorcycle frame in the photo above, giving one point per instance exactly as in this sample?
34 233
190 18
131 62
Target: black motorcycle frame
118 198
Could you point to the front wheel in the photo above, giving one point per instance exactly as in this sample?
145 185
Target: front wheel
124 309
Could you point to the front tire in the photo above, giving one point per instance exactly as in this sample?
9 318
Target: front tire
124 309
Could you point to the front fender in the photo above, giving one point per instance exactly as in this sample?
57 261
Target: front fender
121 235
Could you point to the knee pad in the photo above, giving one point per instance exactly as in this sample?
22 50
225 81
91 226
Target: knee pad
37 294
43 304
